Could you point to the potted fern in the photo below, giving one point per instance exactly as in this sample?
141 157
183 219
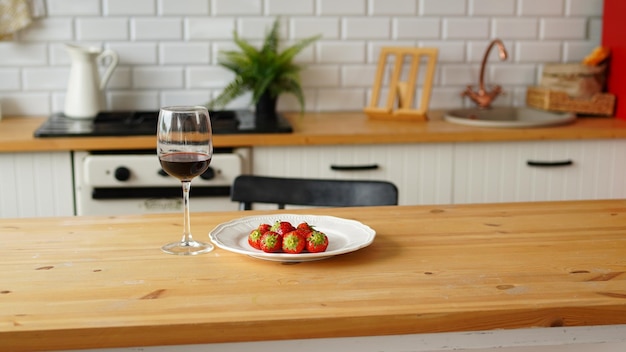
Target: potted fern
267 72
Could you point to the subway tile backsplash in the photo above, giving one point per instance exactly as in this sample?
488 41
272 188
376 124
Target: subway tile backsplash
168 48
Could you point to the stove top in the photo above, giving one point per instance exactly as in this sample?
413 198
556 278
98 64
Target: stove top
143 123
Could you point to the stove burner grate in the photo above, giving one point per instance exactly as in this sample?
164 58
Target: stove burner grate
143 123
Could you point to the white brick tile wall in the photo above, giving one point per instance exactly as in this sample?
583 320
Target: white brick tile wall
332 99
512 74
202 28
302 27
208 77
416 28
121 78
184 97
237 7
584 7
341 52
366 27
73 7
288 102
358 75
25 103
320 76
515 28
563 28
445 98
157 77
492 7
443 7
151 28
595 30
183 7
289 7
538 51
10 79
104 28
45 78
125 7
49 29
343 7
393 7
541 7
449 51
59 55
252 28
574 51
459 75
27 54
168 48
184 53
143 53
133 100
241 102
58 101
466 28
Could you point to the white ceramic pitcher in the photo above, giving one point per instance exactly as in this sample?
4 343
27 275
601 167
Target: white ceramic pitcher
85 88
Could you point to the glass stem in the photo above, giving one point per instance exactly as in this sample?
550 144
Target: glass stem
187 239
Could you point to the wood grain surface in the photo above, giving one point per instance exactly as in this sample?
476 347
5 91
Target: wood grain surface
16 133
87 282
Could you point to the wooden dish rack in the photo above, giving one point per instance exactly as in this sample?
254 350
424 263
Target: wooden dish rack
399 102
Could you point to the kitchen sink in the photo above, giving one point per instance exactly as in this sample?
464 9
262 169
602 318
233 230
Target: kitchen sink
508 117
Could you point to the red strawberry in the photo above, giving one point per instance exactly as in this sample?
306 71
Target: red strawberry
304 229
282 227
316 242
304 226
271 242
255 235
293 242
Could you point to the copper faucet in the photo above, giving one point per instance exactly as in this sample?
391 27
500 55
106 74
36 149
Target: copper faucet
483 98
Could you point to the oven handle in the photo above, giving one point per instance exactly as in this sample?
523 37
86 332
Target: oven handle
354 167
156 192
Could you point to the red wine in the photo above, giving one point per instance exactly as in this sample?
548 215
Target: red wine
185 166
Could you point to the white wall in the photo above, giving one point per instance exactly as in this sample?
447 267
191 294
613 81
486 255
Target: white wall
168 48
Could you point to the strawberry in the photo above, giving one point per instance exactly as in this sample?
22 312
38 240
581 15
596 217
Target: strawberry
271 242
316 242
304 226
282 227
303 230
255 235
293 242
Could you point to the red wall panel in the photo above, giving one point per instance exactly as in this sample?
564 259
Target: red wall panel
614 37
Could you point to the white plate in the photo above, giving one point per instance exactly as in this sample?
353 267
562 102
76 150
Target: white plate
344 236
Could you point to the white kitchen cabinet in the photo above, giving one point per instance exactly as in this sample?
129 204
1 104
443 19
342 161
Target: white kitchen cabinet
567 170
36 184
422 172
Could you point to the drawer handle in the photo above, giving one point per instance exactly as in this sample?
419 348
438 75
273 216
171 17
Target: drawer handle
549 163
354 167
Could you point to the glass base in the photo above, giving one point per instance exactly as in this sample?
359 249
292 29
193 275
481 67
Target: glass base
187 248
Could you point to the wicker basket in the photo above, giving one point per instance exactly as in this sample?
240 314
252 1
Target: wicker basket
551 100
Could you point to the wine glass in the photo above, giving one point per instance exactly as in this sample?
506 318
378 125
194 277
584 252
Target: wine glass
185 149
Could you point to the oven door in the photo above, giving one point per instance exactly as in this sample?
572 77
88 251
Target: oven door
114 184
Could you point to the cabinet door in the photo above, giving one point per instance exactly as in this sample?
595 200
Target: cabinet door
422 172
36 184
539 171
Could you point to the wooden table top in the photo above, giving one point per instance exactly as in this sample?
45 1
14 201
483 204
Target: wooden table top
16 133
88 282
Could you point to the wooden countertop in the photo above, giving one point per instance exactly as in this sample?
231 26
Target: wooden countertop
16 133
87 282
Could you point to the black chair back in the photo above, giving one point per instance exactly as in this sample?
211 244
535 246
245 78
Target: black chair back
312 192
